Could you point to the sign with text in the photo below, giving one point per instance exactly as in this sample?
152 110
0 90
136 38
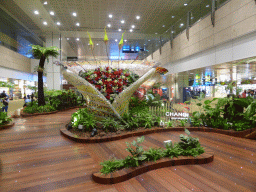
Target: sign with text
177 115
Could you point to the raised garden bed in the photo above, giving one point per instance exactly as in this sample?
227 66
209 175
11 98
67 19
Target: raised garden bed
128 173
8 125
84 137
46 113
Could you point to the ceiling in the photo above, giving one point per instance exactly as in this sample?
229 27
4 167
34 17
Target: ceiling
156 17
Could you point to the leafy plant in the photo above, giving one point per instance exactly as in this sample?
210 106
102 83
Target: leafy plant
110 124
153 154
111 165
82 117
136 151
4 119
183 122
169 123
171 150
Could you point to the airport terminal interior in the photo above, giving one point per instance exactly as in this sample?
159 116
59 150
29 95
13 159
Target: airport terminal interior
127 95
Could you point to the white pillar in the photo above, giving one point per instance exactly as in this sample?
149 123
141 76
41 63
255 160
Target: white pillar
54 77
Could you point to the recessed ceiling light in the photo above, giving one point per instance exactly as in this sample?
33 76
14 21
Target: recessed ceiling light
125 40
77 24
51 13
192 17
77 39
185 4
109 25
45 23
163 26
144 44
133 26
122 21
58 23
45 3
119 29
36 12
172 31
115 40
156 33
137 17
110 15
88 43
74 14
67 38
149 40
173 16
131 30
207 5
181 24
97 44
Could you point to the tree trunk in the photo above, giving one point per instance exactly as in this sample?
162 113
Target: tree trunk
41 100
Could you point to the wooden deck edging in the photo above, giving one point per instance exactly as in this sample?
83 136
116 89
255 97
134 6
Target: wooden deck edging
76 138
10 124
128 173
22 114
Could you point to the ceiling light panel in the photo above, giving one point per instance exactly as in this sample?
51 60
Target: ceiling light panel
36 12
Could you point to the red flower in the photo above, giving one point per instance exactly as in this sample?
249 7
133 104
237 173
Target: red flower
109 91
127 74
120 80
119 84
107 68
108 97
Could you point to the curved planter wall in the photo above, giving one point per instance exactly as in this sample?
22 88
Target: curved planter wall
128 173
76 138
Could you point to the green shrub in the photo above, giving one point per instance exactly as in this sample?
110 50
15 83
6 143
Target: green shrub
110 124
4 119
153 154
83 117
187 147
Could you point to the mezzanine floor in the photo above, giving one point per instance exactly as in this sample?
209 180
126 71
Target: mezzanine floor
35 157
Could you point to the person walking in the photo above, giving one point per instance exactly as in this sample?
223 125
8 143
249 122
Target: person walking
6 103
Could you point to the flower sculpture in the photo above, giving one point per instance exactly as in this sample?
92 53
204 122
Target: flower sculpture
108 91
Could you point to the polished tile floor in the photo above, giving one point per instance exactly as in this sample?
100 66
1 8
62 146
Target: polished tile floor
35 157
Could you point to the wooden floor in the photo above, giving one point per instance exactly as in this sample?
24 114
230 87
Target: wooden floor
35 157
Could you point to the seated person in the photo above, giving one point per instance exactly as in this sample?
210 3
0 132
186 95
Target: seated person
27 100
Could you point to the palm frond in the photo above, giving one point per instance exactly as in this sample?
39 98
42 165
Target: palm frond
37 51
51 51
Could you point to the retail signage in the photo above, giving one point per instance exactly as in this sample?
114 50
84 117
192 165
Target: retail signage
177 115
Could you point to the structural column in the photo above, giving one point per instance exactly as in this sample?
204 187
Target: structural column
54 77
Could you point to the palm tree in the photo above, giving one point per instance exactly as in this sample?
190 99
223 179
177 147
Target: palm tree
43 53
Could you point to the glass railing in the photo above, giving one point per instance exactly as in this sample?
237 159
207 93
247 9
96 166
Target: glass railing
15 37
197 13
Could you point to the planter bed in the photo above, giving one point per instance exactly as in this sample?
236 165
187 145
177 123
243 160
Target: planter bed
83 137
128 173
8 125
46 113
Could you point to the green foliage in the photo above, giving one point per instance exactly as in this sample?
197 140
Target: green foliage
111 166
183 122
4 119
34 108
228 113
136 151
153 154
110 124
187 147
83 117
39 51
169 123
6 84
